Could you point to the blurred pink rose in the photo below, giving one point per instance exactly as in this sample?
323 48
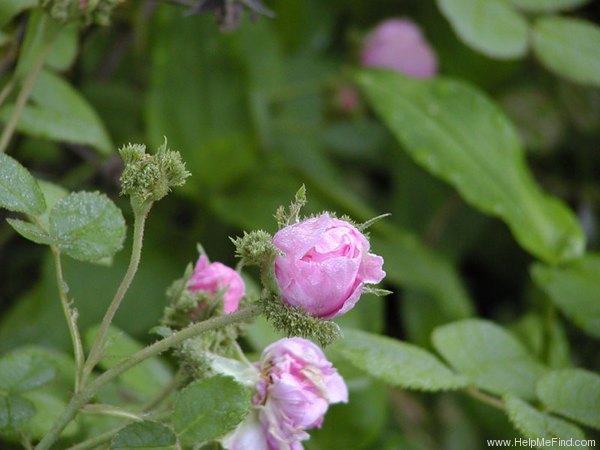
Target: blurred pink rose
399 44
325 265
213 277
296 386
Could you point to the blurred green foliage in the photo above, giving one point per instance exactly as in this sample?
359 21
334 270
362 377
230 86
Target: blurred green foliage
255 114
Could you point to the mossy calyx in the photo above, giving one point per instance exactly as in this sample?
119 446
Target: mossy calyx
148 178
88 11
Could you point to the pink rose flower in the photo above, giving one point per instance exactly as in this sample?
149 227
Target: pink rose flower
325 265
213 277
399 44
296 386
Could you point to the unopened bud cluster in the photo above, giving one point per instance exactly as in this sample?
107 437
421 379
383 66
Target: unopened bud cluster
88 11
148 178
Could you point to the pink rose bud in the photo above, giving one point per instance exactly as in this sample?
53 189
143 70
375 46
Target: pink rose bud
399 44
213 277
325 265
296 386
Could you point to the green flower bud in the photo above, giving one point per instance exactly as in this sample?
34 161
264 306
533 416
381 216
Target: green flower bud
148 178
88 11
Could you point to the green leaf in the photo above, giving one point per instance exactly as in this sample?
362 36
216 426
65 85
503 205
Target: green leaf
52 193
59 112
64 48
145 379
144 435
396 363
490 357
574 290
87 226
572 393
363 418
209 408
21 372
568 47
18 189
538 425
49 407
15 411
30 231
199 106
458 134
10 8
547 6
491 27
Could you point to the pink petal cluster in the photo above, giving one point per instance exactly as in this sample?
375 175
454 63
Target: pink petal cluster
325 265
213 277
296 386
399 44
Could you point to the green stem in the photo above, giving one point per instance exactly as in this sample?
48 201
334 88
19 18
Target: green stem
164 392
6 90
71 317
485 398
134 262
85 395
23 96
95 441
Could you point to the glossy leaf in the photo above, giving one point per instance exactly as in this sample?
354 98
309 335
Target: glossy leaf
15 411
535 424
569 47
87 226
30 231
145 379
491 27
21 372
396 363
18 189
144 435
455 132
489 357
572 393
574 290
209 408
546 6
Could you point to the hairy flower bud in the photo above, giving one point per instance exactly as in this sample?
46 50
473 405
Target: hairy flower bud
325 265
148 178
88 12
216 277
399 44
296 385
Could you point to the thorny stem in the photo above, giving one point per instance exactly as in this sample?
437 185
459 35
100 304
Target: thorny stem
136 251
71 317
85 395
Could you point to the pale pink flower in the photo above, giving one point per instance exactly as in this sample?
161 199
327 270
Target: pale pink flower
324 266
296 386
399 44
214 277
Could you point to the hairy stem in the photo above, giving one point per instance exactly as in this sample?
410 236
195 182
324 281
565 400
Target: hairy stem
85 395
134 262
95 441
71 317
